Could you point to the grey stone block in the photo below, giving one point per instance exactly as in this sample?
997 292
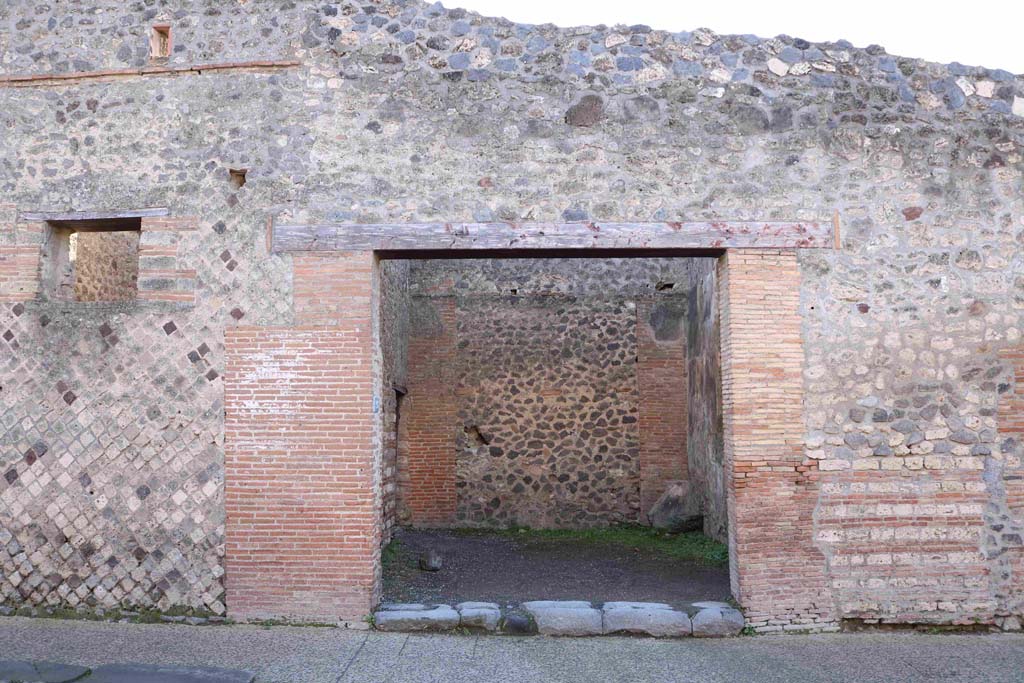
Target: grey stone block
565 618
636 605
440 618
652 621
677 509
431 561
41 672
404 607
485 618
712 603
562 604
717 622
477 605
140 673
518 624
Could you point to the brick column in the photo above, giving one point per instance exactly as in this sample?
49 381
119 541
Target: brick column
427 488
778 574
302 452
662 383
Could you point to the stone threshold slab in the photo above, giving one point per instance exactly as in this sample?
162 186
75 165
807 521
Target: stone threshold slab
566 618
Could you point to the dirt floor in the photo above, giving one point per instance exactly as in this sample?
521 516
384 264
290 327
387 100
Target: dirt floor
510 568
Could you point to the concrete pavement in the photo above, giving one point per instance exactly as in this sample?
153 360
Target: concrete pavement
313 655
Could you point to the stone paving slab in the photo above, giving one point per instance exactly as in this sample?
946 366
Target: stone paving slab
568 618
635 605
40 672
717 622
565 618
652 619
476 605
561 604
439 618
485 618
143 673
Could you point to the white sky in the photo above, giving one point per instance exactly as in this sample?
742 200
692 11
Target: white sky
986 33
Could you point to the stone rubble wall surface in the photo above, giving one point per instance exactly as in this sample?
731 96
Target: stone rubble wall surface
112 439
394 343
556 415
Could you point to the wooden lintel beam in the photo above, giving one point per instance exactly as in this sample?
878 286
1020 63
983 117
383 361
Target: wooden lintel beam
505 237
63 216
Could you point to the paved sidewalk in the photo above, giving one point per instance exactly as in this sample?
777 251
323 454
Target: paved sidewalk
315 655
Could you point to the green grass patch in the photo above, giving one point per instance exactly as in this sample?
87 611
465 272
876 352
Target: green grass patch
391 553
693 545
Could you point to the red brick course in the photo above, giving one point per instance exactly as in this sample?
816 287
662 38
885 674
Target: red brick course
1011 424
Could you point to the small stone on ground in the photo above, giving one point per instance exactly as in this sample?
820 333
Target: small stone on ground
431 561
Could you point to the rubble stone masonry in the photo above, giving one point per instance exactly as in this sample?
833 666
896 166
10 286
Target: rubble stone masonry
162 451
546 393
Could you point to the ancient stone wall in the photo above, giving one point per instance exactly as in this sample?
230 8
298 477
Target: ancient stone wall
707 475
555 390
394 344
403 111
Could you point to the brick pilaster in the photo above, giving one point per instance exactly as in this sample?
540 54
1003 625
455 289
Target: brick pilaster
778 574
302 452
662 383
427 443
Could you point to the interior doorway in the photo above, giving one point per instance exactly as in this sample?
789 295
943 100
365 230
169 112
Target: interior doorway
563 416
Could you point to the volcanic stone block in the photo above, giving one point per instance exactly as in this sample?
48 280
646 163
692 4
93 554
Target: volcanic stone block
717 622
417 618
481 615
677 510
653 619
565 618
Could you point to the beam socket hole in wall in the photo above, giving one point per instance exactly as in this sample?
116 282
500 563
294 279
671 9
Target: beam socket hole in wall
92 260
476 437
236 176
160 41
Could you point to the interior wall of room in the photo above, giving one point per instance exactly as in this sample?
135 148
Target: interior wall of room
106 265
543 392
707 474
394 343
